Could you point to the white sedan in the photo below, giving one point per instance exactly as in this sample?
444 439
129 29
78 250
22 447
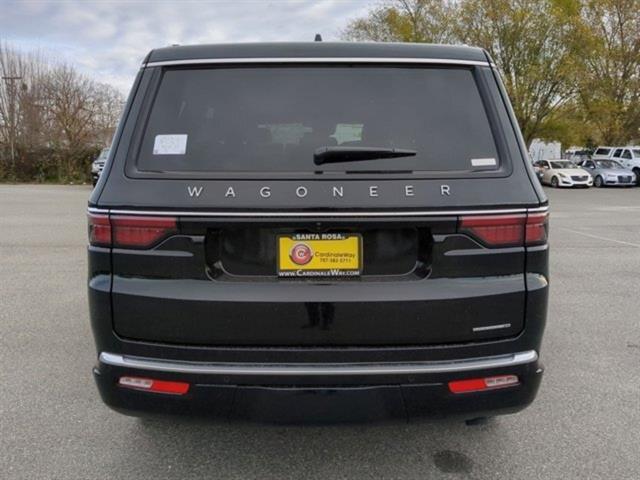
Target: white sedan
561 173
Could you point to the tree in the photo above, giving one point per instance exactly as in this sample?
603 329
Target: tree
610 86
534 43
404 21
52 118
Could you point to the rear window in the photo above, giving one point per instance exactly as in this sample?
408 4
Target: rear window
602 151
273 119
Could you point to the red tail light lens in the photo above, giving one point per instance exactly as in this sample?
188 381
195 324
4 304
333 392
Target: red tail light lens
129 231
507 230
141 232
537 228
496 230
99 230
480 384
152 385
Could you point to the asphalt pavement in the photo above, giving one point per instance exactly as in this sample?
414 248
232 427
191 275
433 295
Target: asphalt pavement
585 422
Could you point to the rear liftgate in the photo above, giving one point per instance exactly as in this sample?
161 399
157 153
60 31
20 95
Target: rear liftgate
325 281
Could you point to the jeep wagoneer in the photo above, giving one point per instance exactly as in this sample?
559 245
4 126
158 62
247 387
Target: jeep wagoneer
304 231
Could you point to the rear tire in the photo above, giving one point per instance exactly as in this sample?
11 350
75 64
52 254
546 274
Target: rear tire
637 172
554 182
597 182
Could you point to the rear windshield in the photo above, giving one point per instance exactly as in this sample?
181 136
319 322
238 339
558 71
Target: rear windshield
602 151
273 119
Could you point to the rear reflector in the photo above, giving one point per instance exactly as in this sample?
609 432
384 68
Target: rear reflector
507 230
480 384
151 385
129 231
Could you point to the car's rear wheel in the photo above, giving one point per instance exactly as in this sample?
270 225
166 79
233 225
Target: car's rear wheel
554 182
637 173
598 181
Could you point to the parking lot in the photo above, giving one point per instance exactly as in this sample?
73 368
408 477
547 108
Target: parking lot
584 423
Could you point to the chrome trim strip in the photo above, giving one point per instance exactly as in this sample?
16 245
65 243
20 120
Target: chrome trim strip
204 61
491 327
311 214
318 369
538 209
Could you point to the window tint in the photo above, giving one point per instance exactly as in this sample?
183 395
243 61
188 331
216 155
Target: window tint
618 153
626 154
274 118
607 164
602 151
561 164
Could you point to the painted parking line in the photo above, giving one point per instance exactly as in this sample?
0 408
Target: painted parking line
598 237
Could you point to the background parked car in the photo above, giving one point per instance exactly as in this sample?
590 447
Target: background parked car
98 165
562 173
577 155
602 153
630 158
608 172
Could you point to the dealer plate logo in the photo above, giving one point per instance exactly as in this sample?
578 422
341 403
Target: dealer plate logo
301 254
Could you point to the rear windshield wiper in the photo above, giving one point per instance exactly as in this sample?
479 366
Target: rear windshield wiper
354 154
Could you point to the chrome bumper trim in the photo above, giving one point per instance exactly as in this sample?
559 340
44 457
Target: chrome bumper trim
338 213
318 369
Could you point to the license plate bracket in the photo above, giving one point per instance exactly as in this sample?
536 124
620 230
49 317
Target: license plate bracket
305 255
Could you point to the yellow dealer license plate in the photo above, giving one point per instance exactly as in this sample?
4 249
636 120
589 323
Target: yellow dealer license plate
319 255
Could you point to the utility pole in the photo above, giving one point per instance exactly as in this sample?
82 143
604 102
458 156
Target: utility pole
11 90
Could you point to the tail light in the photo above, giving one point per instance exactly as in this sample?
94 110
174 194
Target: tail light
152 385
129 231
481 384
537 228
507 230
99 230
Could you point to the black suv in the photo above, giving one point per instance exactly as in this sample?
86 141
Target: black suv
305 231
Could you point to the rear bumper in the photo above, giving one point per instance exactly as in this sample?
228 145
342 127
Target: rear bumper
320 392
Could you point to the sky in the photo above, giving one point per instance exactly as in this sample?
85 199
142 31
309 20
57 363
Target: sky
107 40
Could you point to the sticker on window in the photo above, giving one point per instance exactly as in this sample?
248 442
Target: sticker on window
483 162
287 133
348 132
170 145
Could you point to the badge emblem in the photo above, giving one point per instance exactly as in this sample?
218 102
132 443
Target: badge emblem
301 254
